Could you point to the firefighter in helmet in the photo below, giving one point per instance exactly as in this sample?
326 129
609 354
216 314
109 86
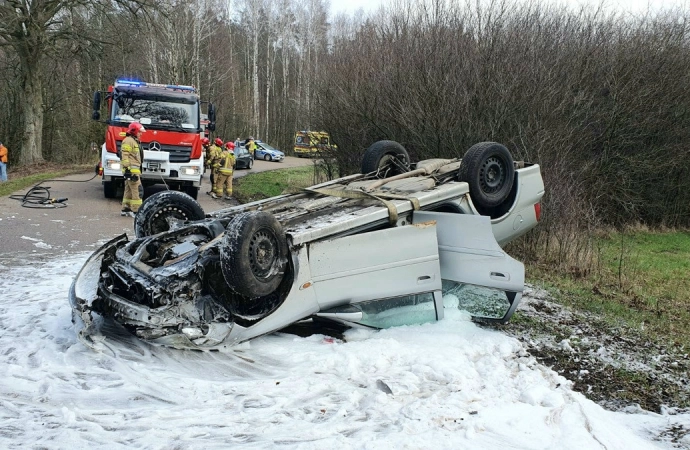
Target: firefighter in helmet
206 144
131 169
213 153
226 164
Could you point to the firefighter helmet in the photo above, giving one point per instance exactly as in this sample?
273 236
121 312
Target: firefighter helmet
230 145
205 141
219 141
134 128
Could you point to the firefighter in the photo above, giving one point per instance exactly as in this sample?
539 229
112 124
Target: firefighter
226 163
206 144
213 153
131 169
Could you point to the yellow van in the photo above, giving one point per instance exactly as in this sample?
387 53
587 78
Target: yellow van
309 143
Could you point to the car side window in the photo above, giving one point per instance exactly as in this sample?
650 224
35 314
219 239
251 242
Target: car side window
479 301
394 312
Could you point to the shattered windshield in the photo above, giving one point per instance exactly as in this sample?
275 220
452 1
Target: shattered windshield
158 113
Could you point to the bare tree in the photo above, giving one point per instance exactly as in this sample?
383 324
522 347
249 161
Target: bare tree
32 29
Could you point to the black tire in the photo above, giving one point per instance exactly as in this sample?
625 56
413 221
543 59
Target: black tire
489 170
253 254
267 157
152 217
110 189
192 191
387 158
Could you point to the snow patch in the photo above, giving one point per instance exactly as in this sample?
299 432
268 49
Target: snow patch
450 384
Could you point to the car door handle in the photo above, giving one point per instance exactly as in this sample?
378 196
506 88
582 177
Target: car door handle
499 276
424 279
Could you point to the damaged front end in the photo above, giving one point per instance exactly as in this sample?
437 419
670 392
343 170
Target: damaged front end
167 289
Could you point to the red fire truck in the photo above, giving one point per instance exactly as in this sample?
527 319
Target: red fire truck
171 144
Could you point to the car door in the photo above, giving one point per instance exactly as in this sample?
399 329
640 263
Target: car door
478 276
375 265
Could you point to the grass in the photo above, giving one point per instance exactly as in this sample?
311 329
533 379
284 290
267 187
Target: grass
640 279
262 185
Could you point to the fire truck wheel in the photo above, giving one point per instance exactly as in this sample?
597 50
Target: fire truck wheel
192 191
109 189
164 210
386 158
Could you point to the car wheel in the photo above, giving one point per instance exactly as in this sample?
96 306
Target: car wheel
251 163
158 212
253 254
386 158
267 158
110 189
489 170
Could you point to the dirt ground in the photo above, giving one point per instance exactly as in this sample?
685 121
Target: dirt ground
613 365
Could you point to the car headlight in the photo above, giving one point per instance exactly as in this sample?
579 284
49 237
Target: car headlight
190 170
112 164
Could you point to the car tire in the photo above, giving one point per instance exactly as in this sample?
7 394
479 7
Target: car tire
386 158
110 189
253 254
158 210
489 170
250 164
267 158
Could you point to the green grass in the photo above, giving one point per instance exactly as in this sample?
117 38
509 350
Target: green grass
262 185
641 279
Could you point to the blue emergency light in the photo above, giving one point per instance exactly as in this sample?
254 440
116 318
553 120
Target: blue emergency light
166 86
131 82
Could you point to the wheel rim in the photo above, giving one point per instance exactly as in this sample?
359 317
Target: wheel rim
161 220
267 158
263 253
389 164
492 175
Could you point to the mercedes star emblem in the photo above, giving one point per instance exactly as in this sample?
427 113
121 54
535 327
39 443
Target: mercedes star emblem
155 146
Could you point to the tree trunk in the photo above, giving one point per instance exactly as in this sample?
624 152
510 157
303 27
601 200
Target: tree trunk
32 105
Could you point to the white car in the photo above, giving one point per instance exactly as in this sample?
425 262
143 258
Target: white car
395 244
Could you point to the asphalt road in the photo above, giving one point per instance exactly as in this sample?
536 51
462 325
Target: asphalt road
88 220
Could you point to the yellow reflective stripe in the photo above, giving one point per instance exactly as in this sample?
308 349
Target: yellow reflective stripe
226 171
135 170
135 202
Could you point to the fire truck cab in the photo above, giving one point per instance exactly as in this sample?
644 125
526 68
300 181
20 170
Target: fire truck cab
171 144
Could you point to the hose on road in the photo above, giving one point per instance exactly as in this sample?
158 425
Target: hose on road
39 196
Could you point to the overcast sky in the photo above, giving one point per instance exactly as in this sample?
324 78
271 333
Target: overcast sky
350 6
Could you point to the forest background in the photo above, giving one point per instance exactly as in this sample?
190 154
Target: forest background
599 99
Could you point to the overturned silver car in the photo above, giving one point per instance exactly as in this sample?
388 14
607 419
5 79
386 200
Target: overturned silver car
393 245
